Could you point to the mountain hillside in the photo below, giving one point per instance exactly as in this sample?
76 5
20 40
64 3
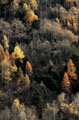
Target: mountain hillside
39 59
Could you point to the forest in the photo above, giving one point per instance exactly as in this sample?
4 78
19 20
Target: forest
39 59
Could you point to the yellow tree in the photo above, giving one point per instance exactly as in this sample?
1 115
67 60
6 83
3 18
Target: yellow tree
33 4
30 16
71 70
26 7
66 82
2 53
6 42
18 53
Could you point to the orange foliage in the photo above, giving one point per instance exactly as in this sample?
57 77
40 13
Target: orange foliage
28 67
71 70
30 16
69 76
66 82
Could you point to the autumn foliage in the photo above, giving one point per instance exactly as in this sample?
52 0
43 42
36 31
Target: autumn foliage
71 70
28 67
30 16
66 82
2 53
18 53
7 55
6 42
34 4
69 76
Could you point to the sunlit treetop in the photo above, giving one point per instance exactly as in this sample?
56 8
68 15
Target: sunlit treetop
18 53
71 70
29 8
30 16
34 4
16 103
6 42
2 53
26 7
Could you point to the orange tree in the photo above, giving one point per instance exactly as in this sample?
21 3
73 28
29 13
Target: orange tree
69 76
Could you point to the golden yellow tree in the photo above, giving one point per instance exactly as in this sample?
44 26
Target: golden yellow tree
18 53
2 53
30 16
66 82
33 4
26 7
71 70
30 5
6 42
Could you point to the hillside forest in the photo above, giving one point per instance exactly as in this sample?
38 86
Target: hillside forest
39 59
